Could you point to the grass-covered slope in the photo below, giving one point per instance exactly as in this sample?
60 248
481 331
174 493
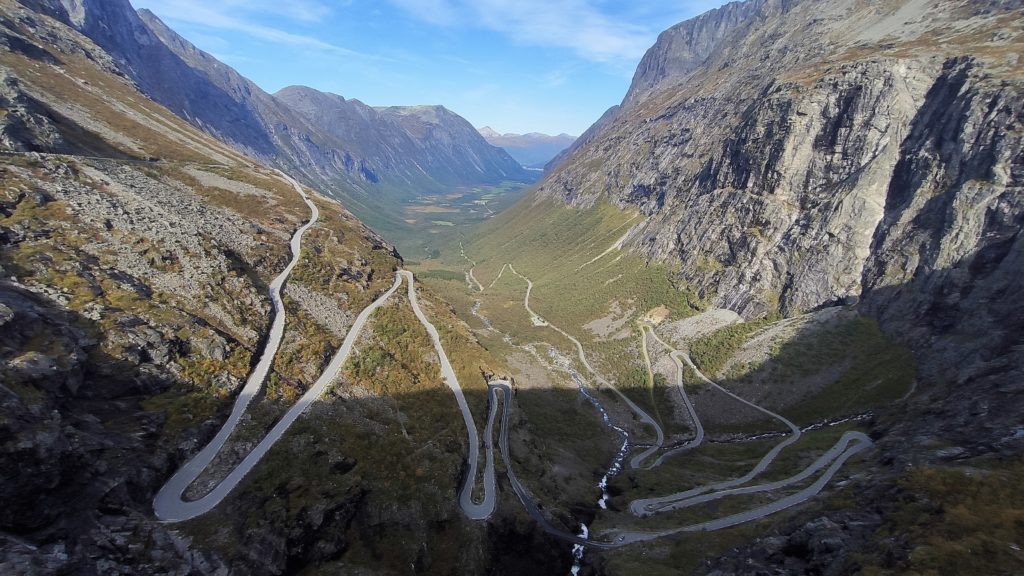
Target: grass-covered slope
816 369
569 255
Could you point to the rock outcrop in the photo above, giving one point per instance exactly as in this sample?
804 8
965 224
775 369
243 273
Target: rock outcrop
792 155
686 46
679 51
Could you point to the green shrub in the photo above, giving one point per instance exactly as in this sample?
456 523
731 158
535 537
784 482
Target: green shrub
439 274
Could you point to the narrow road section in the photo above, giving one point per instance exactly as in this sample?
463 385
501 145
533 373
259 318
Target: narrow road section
698 427
848 445
852 443
469 274
475 511
640 413
647 506
168 505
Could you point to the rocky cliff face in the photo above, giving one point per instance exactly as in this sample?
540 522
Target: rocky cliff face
947 256
790 155
678 52
686 46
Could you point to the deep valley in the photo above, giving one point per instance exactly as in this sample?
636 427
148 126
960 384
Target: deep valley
761 318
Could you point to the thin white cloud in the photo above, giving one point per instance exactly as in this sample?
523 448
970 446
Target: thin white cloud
299 10
440 12
579 25
556 78
239 16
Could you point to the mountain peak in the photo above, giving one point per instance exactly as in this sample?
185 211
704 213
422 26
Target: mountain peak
300 90
488 132
532 150
428 113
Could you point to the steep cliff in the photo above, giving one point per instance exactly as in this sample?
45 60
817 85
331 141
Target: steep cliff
765 169
686 46
678 51
790 155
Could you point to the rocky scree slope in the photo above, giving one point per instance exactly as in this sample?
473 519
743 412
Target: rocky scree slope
132 298
790 155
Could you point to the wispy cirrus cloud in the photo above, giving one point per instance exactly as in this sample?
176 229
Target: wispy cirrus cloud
245 16
584 26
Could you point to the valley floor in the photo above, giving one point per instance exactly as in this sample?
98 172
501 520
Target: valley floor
697 447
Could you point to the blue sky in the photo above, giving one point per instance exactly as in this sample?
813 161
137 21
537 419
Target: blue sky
516 65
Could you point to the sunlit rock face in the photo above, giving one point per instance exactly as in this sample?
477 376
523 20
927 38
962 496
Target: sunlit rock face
790 155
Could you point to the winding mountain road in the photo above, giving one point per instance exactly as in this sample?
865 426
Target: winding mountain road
851 443
170 506
646 506
643 416
698 437
472 509
848 445
469 274
494 387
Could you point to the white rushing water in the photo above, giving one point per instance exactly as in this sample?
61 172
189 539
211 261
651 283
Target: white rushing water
577 550
476 312
617 463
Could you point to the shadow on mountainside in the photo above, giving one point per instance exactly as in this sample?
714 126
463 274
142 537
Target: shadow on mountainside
369 481
79 454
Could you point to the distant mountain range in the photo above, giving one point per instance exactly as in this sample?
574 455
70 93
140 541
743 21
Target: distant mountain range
532 150
366 157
